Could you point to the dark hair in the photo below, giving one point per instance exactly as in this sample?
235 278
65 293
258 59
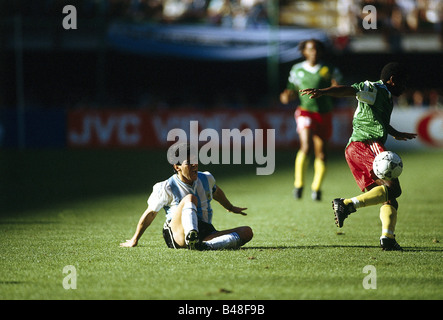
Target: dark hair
178 154
182 148
320 45
393 69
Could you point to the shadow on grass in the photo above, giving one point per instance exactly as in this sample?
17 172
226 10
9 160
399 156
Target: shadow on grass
421 249
305 247
405 249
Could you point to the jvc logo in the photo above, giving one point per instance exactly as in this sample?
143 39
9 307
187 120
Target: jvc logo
123 129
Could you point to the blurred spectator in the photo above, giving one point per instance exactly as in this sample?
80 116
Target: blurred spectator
218 10
408 9
435 99
238 14
404 15
418 99
421 98
347 21
401 15
185 10
173 9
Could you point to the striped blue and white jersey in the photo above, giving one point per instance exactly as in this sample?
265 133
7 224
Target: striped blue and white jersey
168 194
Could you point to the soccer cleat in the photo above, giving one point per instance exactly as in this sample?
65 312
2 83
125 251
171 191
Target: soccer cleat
341 211
298 192
388 244
192 240
316 195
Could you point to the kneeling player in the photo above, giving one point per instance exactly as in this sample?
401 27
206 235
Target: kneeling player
186 198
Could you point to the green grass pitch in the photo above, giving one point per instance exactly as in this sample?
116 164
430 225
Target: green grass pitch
73 207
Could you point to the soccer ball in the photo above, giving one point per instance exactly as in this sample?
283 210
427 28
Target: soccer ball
387 165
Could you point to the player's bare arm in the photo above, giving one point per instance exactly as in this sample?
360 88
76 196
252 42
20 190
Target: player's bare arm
145 221
403 136
220 197
287 96
338 91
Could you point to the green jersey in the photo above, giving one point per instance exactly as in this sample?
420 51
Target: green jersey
373 114
303 76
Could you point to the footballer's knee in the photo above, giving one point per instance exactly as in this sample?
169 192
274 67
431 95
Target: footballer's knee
245 234
394 190
393 203
190 198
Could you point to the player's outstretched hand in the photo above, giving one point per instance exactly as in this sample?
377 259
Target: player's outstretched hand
129 243
403 136
312 92
238 210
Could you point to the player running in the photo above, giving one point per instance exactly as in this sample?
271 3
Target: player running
313 117
370 130
186 198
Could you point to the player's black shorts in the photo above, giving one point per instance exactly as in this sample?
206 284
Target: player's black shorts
204 229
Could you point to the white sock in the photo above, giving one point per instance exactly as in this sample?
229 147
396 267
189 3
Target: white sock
226 241
356 203
189 217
